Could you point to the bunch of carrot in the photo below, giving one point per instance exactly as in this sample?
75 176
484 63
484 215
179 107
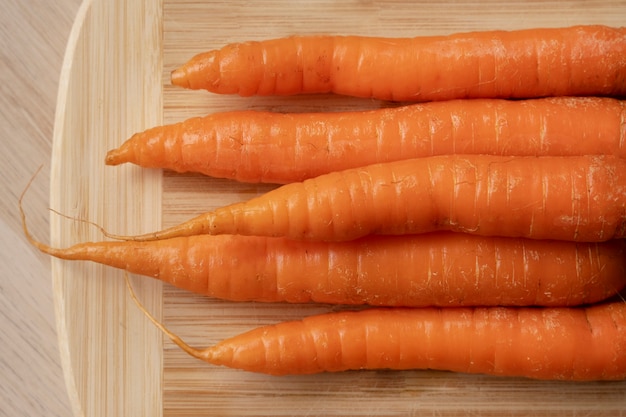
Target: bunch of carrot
486 233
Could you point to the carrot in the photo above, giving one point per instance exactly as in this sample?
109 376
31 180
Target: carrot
445 269
257 146
562 198
577 60
550 343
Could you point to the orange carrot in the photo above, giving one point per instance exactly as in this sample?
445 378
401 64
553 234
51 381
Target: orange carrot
562 198
255 146
578 60
443 269
552 343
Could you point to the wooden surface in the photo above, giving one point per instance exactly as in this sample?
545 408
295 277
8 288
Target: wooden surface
33 36
110 87
113 362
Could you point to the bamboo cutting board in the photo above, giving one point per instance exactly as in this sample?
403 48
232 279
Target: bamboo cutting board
114 83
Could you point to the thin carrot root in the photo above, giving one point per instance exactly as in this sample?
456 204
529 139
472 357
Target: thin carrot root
437 269
530 197
271 147
576 344
509 64
193 227
548 343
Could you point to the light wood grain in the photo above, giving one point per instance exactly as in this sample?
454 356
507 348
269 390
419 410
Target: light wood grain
189 387
110 87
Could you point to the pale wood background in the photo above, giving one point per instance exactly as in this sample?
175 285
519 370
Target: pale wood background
33 35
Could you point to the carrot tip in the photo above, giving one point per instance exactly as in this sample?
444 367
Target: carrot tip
113 157
118 156
179 78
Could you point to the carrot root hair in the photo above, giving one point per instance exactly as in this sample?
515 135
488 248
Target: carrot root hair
20 203
61 253
196 353
194 226
47 249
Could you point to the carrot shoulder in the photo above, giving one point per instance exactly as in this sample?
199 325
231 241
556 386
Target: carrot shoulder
575 344
442 269
258 146
578 60
562 198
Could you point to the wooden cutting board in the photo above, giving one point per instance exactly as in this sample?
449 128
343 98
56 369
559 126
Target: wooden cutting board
115 82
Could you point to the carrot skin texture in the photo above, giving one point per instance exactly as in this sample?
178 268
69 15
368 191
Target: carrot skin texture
552 343
577 60
558 198
440 269
257 146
